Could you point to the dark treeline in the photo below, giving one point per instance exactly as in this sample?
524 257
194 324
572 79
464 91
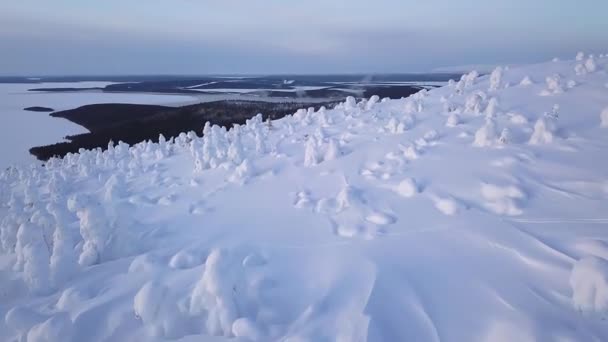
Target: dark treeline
136 123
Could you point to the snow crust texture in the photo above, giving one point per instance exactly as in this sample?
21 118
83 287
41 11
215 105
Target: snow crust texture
472 212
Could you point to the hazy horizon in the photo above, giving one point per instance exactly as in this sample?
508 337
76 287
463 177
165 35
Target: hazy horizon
181 37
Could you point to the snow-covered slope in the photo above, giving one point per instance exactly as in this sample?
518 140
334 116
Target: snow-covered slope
473 212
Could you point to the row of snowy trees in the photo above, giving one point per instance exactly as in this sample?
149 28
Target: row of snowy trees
53 228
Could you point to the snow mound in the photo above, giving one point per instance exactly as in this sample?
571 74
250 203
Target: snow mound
502 200
589 283
407 187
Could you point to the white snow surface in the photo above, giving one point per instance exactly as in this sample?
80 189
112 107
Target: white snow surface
328 226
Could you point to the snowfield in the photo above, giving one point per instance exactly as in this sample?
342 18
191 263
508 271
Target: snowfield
473 212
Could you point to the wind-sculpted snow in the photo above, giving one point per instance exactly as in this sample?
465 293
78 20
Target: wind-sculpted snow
472 212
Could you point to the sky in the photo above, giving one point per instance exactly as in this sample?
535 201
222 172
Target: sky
128 37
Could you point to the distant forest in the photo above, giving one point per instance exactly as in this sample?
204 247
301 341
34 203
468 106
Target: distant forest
132 123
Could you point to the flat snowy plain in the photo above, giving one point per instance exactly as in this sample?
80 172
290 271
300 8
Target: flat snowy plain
21 130
473 212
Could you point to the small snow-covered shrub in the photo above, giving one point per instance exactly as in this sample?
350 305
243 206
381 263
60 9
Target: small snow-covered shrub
491 109
410 152
554 113
449 107
526 81
235 150
105 228
350 103
473 103
9 226
554 85
322 118
431 135
470 78
395 127
505 136
372 102
543 131
33 255
311 155
486 134
453 120
580 56
213 295
590 65
63 261
242 173
580 69
347 196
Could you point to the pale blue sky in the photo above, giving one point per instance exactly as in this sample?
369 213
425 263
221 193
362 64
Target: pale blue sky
283 36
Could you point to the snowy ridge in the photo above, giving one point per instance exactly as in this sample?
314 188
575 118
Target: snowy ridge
473 212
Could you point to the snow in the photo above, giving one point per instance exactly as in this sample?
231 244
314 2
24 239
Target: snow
329 225
589 282
604 117
17 126
407 187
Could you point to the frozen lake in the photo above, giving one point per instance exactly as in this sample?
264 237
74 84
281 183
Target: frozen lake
20 130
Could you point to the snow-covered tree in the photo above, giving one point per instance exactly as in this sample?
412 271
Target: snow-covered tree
347 197
260 144
63 261
470 78
242 173
491 109
554 113
590 64
496 79
580 69
235 150
473 103
505 136
372 102
394 126
311 155
350 103
580 56
33 255
486 134
94 228
554 85
543 131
